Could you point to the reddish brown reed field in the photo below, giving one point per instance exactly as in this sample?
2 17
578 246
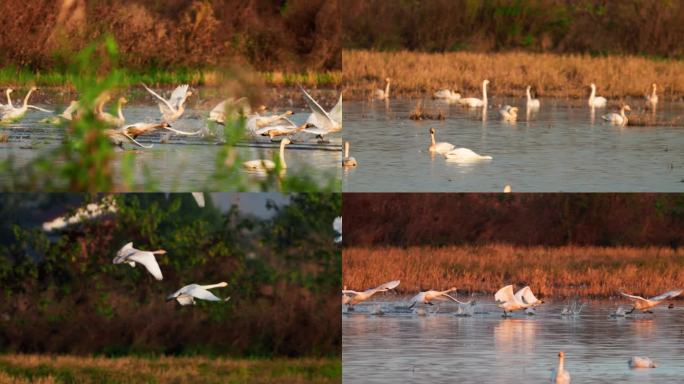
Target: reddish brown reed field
568 271
416 74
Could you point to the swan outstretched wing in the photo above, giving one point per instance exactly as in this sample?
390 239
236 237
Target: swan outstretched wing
125 251
39 109
320 113
201 293
178 95
419 298
337 224
387 286
147 259
163 100
134 141
505 294
632 297
349 292
199 198
336 111
667 295
456 300
183 133
526 296
218 111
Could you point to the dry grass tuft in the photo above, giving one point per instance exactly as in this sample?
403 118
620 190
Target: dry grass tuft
552 271
418 74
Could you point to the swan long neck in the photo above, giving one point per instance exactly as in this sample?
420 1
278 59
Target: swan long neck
26 98
159 252
529 97
387 89
120 111
560 364
282 155
210 286
9 99
432 139
484 92
593 93
346 149
654 91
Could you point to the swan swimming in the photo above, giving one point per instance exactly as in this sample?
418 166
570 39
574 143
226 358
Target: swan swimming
383 95
188 294
263 165
509 114
348 161
559 375
128 254
107 117
426 297
644 305
641 362
510 302
652 99
532 104
447 95
464 155
474 102
173 108
358 297
440 148
11 114
596 101
617 118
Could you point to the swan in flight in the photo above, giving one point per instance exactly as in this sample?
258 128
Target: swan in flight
87 212
644 305
173 108
464 155
509 114
596 101
188 294
440 148
532 104
9 105
130 255
137 129
12 114
324 122
358 297
447 95
337 227
559 375
256 122
281 130
119 136
651 100
641 362
348 161
233 107
426 297
510 302
383 95
474 102
199 198
617 118
263 165
110 119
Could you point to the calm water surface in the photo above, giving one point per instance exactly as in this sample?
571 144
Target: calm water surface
185 163
557 150
401 347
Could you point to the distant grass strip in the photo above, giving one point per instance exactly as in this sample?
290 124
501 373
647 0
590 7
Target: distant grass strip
73 369
21 77
418 74
557 272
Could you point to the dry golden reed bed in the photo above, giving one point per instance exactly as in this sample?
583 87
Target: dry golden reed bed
44 369
418 74
557 272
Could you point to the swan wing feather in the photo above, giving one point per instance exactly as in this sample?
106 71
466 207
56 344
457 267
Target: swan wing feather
149 261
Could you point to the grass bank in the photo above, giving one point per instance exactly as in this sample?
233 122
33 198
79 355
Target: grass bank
47 369
566 271
416 74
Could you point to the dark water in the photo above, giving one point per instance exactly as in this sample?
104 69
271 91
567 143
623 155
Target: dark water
401 347
184 163
558 150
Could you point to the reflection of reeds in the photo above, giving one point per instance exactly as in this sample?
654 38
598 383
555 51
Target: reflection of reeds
551 75
567 271
54 369
648 120
420 113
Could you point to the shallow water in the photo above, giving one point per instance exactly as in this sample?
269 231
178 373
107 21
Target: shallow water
401 347
185 163
557 150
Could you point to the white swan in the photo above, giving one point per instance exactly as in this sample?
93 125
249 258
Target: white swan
641 362
383 95
447 95
13 114
188 294
426 297
507 188
559 374
88 212
233 107
199 198
173 108
130 255
532 104
652 99
358 297
474 102
617 118
138 129
110 119
263 165
509 114
256 122
645 305
70 112
440 148
464 155
596 101
324 122
348 161
337 227
9 105
510 302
